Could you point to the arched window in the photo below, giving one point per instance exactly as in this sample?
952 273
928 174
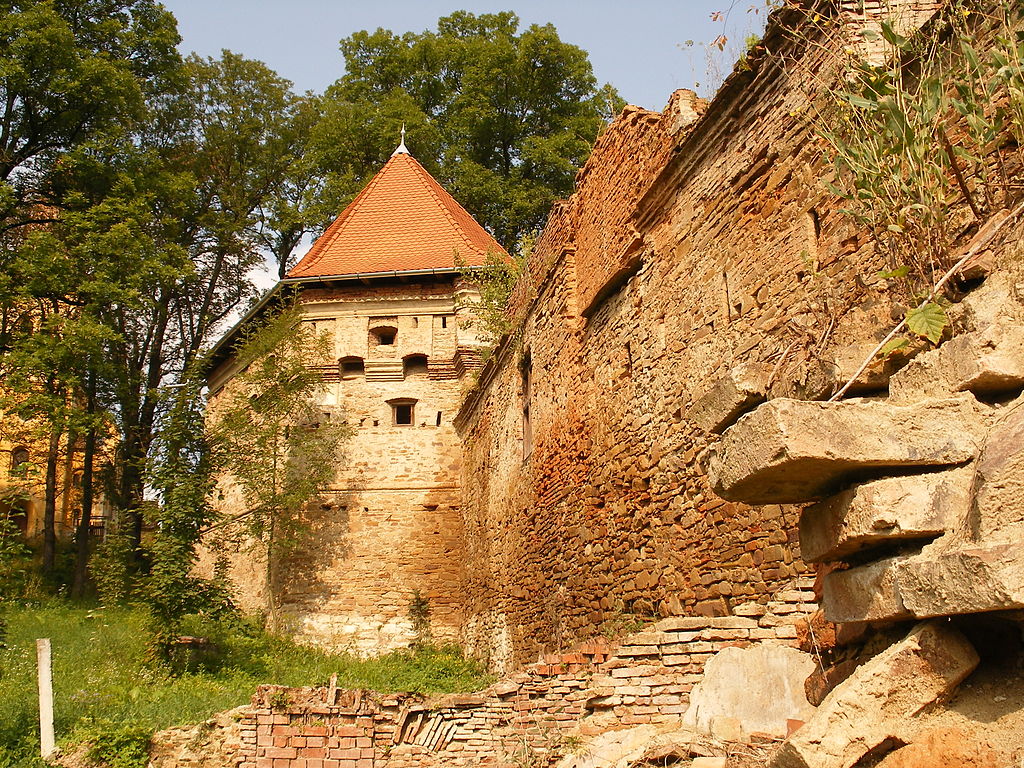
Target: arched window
414 365
351 368
19 462
383 335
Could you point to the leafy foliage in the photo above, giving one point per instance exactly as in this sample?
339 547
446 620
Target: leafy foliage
928 320
896 165
493 283
183 475
273 439
151 175
119 746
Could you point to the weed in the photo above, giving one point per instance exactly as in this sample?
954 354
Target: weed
419 615
119 745
889 135
279 701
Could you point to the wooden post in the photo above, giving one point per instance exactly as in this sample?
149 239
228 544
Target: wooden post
46 740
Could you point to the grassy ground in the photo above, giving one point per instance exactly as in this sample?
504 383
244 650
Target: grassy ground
104 683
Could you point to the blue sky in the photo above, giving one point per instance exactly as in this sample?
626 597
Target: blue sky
639 46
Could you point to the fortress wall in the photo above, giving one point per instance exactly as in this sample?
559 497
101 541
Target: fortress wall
682 253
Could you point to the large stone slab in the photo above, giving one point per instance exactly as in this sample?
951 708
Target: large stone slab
999 502
874 703
987 362
865 593
794 450
964 580
778 696
730 397
882 511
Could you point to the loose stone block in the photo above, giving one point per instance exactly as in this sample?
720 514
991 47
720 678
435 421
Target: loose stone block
708 762
968 580
874 703
849 359
911 507
730 397
866 593
726 690
795 450
943 748
999 502
986 362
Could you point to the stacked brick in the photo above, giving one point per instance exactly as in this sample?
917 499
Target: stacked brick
646 679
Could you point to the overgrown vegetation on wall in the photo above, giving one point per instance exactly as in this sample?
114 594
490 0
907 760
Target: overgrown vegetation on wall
926 142
494 281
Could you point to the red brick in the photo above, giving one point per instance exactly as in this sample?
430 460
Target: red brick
285 753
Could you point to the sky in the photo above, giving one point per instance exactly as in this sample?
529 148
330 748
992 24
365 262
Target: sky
639 46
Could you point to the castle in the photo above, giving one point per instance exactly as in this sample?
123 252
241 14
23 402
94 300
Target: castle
566 495
383 285
692 432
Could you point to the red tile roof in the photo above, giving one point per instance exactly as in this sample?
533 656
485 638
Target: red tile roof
403 220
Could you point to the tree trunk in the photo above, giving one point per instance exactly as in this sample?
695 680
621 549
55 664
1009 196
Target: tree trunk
85 521
131 492
50 503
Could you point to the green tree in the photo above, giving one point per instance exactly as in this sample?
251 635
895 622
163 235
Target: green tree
69 70
170 218
504 118
183 473
151 230
72 72
278 445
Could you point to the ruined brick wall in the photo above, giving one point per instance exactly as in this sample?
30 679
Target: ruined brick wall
389 527
683 253
517 721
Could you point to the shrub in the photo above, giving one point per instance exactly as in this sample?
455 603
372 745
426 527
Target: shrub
119 745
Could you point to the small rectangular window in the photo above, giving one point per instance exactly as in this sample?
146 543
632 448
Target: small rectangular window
403 415
444 322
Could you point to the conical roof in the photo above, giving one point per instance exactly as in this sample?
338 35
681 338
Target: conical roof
402 221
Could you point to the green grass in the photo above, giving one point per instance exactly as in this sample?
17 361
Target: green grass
104 683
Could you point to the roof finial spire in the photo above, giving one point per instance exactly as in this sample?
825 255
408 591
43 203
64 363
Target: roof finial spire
401 147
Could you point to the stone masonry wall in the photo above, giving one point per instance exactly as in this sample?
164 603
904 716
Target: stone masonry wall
698 239
645 679
389 528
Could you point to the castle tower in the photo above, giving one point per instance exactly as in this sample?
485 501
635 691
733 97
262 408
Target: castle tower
382 283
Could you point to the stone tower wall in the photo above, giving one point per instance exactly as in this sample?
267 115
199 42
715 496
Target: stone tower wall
389 528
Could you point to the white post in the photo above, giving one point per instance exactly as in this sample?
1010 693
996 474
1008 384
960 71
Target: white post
46 740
